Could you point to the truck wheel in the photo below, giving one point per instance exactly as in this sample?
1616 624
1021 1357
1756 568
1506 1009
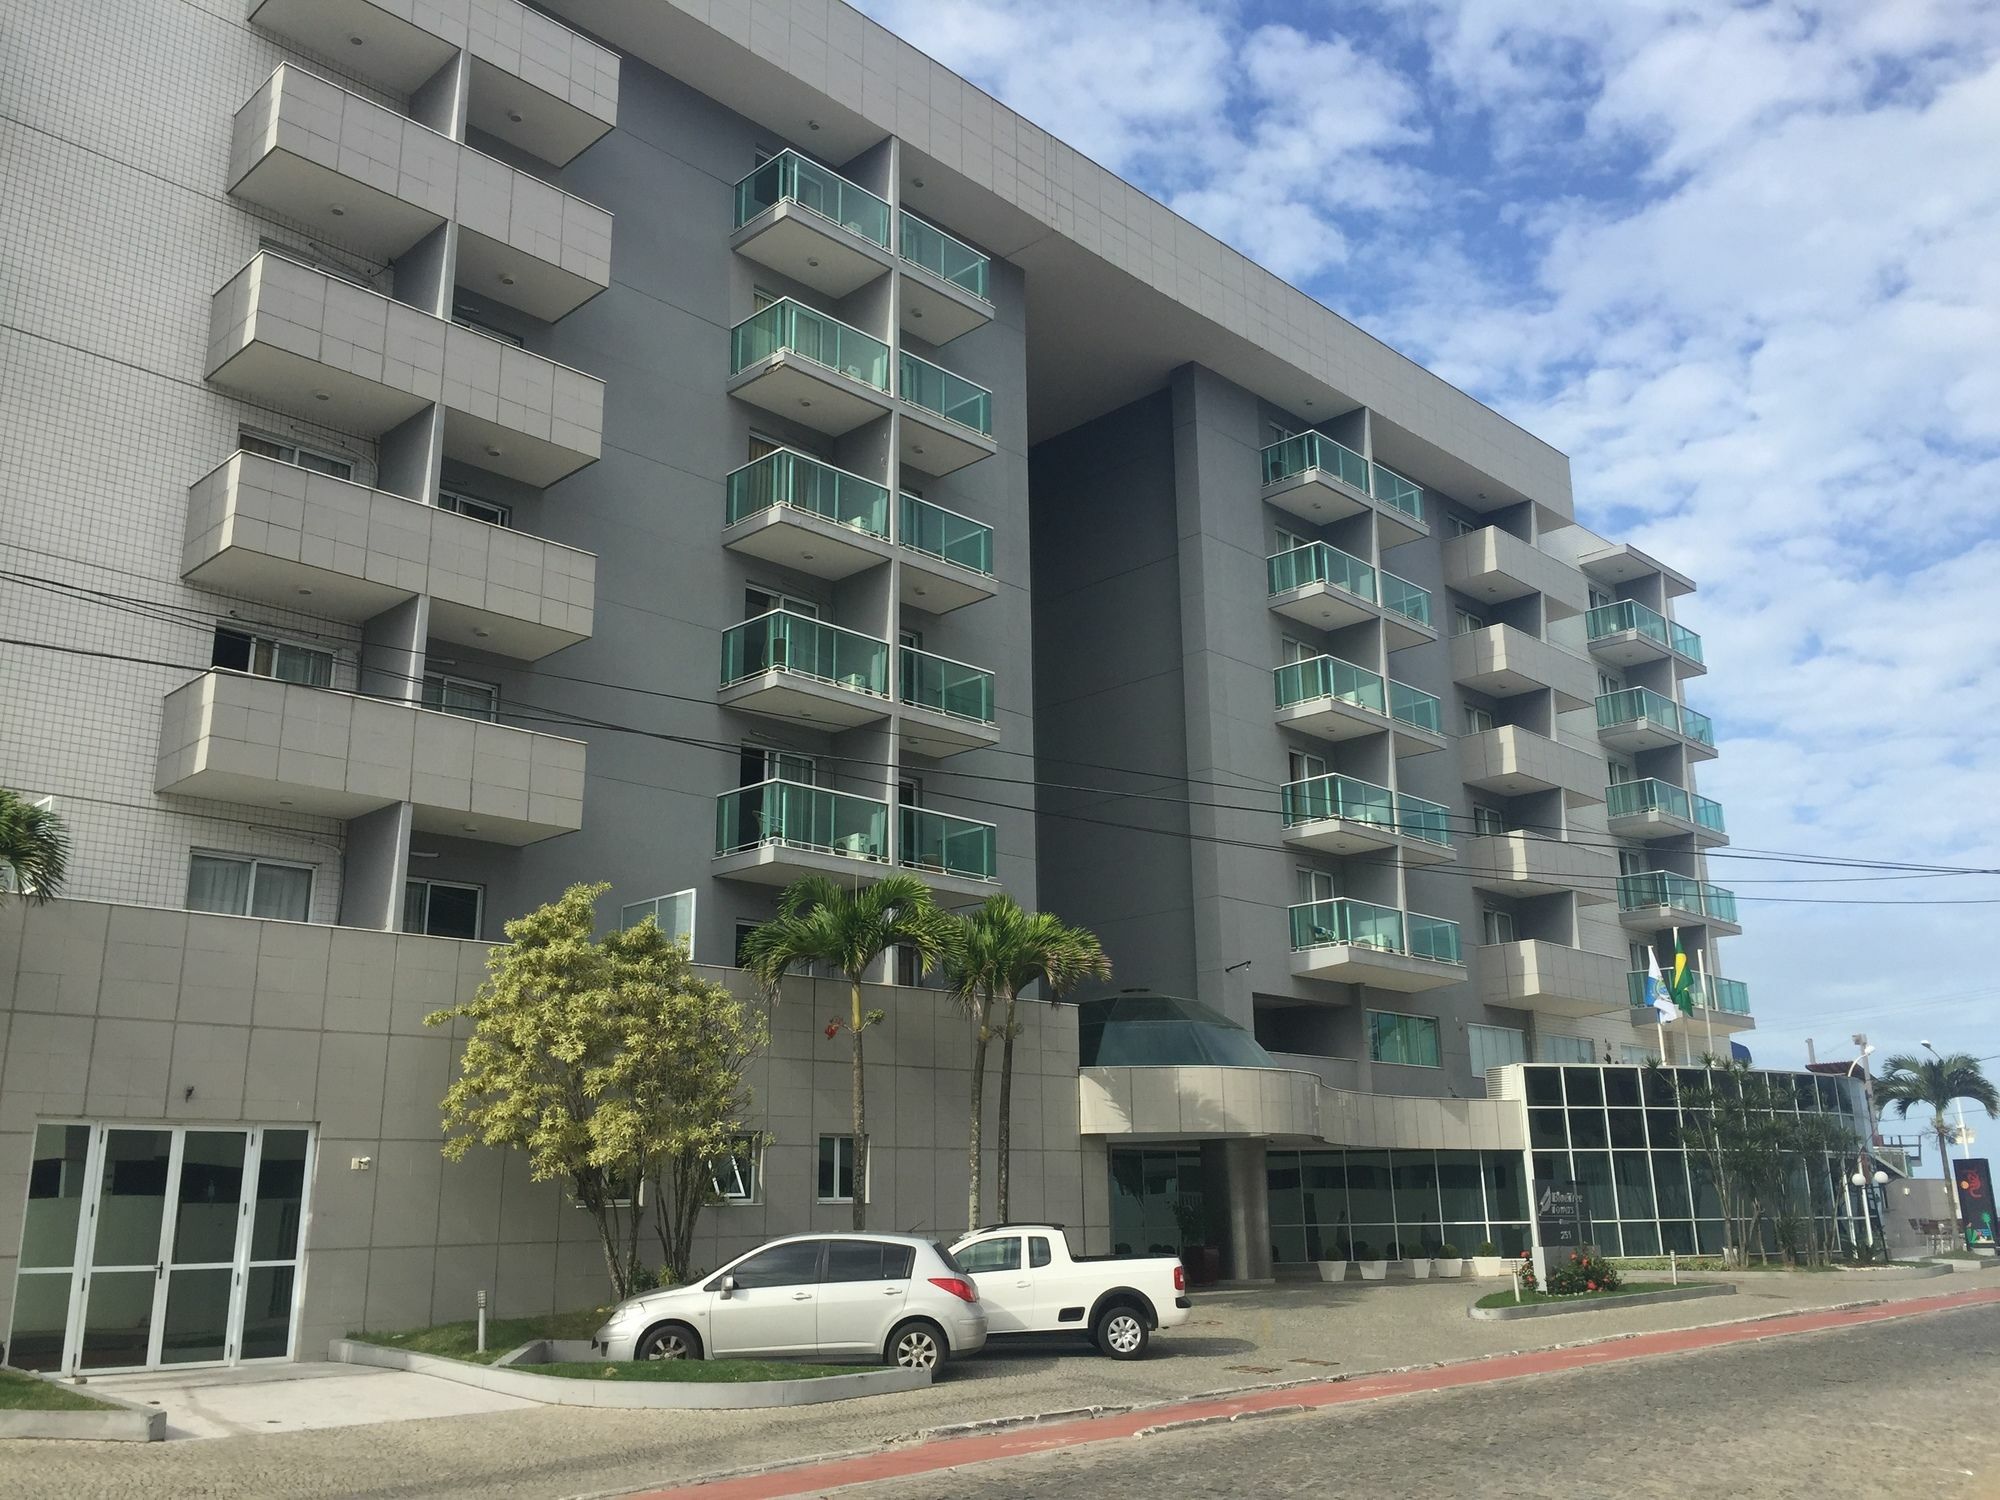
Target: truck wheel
1121 1332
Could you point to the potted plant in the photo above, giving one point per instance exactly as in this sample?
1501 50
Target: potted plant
1421 1264
1488 1262
1371 1268
1447 1261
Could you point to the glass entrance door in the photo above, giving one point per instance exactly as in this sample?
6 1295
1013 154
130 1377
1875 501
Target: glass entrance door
166 1245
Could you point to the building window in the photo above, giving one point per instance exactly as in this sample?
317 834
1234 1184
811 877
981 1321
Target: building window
758 601
239 887
295 454
1291 651
836 1169
1316 885
1488 822
1304 765
1608 683
461 696
442 908
1496 926
673 914
1290 541
469 314
760 299
1636 1056
1397 1038
909 967
1621 770
743 931
1462 527
734 1174
1566 1049
1478 720
1600 600
1496 1047
1464 622
475 508
262 656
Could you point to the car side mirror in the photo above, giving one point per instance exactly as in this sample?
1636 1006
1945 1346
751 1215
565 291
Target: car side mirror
728 1285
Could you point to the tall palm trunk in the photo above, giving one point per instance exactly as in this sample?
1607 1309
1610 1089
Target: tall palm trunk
860 1113
1005 1131
981 1035
1950 1176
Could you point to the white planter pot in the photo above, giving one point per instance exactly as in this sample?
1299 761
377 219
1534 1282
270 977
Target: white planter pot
1420 1270
1373 1270
1487 1265
1452 1267
1332 1270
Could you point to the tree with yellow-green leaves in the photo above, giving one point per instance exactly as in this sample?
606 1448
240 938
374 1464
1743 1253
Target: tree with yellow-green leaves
609 1063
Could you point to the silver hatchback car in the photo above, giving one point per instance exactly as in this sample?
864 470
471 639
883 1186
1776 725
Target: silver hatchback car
894 1297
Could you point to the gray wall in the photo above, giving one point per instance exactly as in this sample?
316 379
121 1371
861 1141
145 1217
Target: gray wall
114 1013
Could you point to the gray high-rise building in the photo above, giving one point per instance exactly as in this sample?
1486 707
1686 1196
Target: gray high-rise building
458 449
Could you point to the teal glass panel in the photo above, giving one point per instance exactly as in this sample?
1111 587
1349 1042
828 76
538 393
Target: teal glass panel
785 642
789 326
937 532
790 177
1329 677
950 396
942 255
931 840
800 483
946 686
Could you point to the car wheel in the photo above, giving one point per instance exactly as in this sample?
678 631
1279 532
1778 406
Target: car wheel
668 1341
1122 1332
916 1346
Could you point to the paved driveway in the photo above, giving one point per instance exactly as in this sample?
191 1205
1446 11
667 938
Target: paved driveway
1235 1339
259 1400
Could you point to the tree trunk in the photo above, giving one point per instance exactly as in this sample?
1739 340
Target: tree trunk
1950 1177
1005 1124
981 1036
860 1115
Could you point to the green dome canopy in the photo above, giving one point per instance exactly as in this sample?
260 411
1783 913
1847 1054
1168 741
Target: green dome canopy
1139 1029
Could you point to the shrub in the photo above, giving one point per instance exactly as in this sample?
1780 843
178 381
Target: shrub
1448 1251
1395 1251
1524 1272
1487 1247
1580 1274
1362 1251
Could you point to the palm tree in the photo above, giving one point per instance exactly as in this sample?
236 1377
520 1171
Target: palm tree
820 923
34 848
996 953
1937 1080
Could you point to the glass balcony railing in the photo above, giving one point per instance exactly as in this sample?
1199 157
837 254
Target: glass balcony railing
1318 798
1306 451
789 177
937 532
1632 799
1406 599
1629 615
929 247
1429 821
796 329
1415 707
796 482
1657 888
945 686
1630 705
799 816
950 396
929 840
784 642
1362 924
1394 490
1316 562
1731 996
1330 677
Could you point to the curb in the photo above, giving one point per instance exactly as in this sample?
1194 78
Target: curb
558 1390
1629 1299
125 1422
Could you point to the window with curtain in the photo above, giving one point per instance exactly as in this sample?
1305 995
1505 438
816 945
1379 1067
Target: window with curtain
1567 1049
239 887
266 657
457 695
441 908
1496 1046
1397 1038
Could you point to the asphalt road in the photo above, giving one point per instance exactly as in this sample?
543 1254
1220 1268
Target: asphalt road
1905 1409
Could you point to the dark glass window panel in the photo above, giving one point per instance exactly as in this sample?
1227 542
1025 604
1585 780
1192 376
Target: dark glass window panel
232 651
1587 1130
1621 1087
1641 1237
197 1323
267 1313
1657 1084
1552 1166
281 1189
1678 1237
1628 1130
1635 1185
1506 1193
1546 1131
41 1317
1368 1193
1690 1078
1707 1204
1511 1239
1039 1255
1288 1244
1468 1237
1544 1085
131 1205
118 1319
1416 1182
1281 1177
1663 1127
55 1195
794 1264
1371 1241
1606 1236
1829 1094
1460 1196
1708 1236
1584 1085
208 1202
1671 1183
870 1260
453 911
1593 1175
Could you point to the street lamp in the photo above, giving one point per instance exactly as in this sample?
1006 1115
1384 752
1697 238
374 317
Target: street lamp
1868 1105
1944 1145
1869 1208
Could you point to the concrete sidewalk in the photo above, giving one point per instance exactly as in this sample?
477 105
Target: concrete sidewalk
1234 1340
259 1400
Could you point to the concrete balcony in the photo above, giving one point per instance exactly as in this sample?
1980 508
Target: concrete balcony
798 363
1551 979
1503 662
261 529
1623 563
1511 760
947 420
811 225
1719 1005
797 512
1635 719
1653 900
255 742
1653 809
804 671
947 706
947 558
778 831
1320 480
1496 566
1526 864
944 282
1326 588
1627 633
1355 942
287 336
1342 815
1336 700
535 84
376 181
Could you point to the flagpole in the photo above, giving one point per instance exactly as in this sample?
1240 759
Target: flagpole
1707 1001
1686 1059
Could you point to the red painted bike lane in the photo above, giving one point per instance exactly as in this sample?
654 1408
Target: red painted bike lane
955 1453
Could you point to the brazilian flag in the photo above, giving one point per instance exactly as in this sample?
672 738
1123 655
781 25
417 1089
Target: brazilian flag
1681 985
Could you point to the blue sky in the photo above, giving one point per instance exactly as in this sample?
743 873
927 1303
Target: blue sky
1742 263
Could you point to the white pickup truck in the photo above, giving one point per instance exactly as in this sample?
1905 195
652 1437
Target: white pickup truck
1029 1282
